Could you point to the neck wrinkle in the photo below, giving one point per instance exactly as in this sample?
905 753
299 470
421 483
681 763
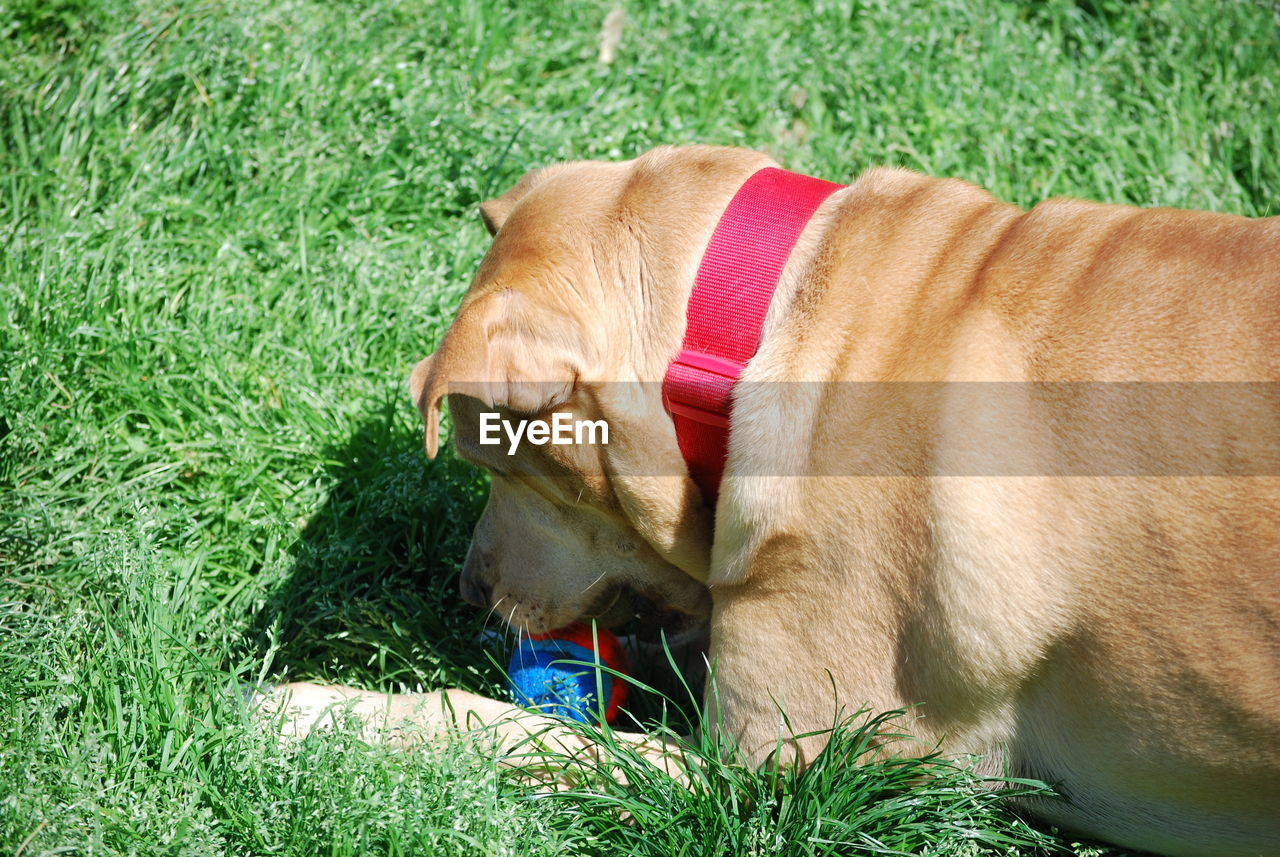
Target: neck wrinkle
667 256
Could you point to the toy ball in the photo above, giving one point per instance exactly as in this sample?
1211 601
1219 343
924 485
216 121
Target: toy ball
554 673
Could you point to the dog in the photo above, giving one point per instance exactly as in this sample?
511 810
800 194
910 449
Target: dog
1012 470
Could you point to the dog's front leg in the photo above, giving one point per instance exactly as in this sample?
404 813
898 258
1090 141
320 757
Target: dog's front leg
402 718
532 742
781 681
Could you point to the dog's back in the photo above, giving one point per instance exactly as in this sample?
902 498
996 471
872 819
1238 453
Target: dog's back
1092 574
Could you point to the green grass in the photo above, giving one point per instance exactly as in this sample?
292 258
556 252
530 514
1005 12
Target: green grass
228 230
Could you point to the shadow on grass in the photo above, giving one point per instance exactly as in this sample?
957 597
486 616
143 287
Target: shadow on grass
372 597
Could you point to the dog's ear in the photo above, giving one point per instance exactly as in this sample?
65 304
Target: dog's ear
495 212
496 353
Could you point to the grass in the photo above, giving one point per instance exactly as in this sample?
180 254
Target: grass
228 230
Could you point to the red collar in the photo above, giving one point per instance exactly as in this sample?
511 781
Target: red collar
731 294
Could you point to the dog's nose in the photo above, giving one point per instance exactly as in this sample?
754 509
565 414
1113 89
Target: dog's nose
473 591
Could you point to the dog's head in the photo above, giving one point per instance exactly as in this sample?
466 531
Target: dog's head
576 310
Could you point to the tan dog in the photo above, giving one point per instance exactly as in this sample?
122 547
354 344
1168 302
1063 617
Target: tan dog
1096 603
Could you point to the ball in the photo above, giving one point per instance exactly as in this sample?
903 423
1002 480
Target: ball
556 673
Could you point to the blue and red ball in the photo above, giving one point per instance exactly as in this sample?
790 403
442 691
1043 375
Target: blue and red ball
558 673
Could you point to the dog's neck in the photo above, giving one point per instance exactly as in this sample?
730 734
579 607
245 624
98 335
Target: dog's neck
666 246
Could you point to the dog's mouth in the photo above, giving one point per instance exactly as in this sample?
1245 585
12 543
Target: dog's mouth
624 609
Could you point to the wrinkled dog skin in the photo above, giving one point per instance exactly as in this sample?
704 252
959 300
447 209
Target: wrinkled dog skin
1112 633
